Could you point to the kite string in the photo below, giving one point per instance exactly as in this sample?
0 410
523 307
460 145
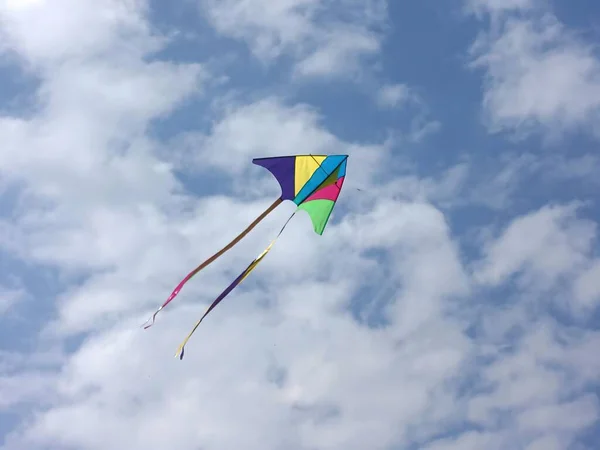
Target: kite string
236 282
212 259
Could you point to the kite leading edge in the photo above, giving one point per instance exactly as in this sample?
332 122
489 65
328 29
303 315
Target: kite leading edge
312 182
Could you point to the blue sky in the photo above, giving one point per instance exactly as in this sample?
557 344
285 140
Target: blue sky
452 302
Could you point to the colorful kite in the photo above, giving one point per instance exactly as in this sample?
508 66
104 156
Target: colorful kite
313 182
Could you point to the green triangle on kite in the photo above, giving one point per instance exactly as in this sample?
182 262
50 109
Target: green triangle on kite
319 212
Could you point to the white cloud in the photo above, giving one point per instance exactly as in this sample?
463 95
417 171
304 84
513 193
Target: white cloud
538 74
402 96
100 203
61 146
340 53
498 182
112 212
541 247
115 215
303 336
270 127
41 34
481 7
517 399
576 414
587 286
498 189
9 297
393 95
326 38
531 385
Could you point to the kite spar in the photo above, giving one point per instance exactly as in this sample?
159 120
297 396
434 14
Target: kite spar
312 182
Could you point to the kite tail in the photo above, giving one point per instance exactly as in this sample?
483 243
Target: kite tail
231 287
210 260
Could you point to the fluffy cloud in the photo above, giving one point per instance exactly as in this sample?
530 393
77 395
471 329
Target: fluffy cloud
366 337
299 364
393 95
111 212
545 245
537 74
8 297
587 286
495 7
321 43
42 34
270 127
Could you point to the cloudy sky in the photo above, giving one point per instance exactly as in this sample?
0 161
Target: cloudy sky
452 302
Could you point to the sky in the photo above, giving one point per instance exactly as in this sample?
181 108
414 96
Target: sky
452 301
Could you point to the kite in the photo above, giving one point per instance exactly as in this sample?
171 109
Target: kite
312 182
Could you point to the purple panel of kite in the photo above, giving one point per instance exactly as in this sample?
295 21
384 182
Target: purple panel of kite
283 169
